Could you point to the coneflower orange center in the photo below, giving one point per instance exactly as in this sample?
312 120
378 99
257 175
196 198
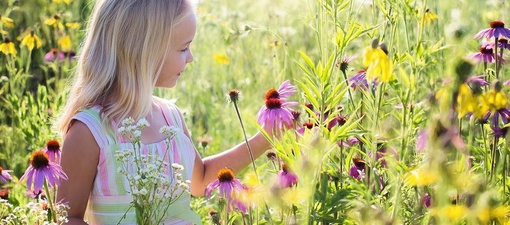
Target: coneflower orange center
272 93
39 159
273 103
53 145
234 95
486 50
1 169
308 125
497 24
225 175
285 168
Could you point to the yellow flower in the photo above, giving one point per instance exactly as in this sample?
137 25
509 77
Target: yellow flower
8 22
377 62
294 196
466 102
59 1
31 40
428 17
495 100
221 59
421 177
65 43
55 21
7 47
73 26
455 212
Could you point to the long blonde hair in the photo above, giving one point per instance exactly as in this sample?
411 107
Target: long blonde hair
121 58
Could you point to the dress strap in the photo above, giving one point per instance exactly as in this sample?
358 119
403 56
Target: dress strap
92 119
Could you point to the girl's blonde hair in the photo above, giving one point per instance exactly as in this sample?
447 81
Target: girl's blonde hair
122 56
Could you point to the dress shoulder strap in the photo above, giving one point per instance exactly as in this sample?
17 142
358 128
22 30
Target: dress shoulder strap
92 119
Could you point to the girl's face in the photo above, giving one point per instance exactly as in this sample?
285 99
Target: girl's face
179 53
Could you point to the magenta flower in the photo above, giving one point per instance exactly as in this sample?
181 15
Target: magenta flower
41 170
53 150
276 113
480 80
4 175
486 54
286 178
503 43
497 30
286 89
426 200
421 141
357 171
54 54
229 188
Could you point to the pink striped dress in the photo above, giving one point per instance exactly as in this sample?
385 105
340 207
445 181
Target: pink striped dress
110 198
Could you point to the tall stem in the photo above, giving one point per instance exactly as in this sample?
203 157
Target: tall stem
246 140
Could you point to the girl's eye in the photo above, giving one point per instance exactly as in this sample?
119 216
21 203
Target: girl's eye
185 50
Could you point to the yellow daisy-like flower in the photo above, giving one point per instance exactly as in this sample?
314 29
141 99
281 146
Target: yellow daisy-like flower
73 26
59 1
421 177
466 101
31 40
428 17
65 43
7 47
221 59
55 21
294 196
495 100
379 65
455 212
8 22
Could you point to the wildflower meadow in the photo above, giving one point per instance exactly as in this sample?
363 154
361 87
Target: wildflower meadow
390 111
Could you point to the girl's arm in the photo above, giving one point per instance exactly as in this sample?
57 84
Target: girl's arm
80 156
236 158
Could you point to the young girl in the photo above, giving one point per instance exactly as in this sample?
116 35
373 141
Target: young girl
131 47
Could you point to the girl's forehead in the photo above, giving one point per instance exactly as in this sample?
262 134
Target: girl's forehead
184 31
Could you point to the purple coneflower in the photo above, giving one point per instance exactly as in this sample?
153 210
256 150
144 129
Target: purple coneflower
360 80
41 169
229 188
276 113
344 64
286 89
54 54
357 171
485 54
286 178
497 30
53 150
4 175
425 199
421 140
479 80
503 43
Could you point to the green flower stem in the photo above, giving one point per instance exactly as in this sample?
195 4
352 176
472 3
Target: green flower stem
246 140
50 202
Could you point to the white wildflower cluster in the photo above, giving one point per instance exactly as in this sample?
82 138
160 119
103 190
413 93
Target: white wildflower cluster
153 183
169 131
132 130
33 213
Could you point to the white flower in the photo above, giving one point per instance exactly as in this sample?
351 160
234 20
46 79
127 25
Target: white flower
142 123
177 166
169 131
127 122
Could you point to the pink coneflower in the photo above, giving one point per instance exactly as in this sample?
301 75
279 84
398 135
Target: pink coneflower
286 89
229 188
286 178
421 141
497 29
360 80
503 43
41 169
480 80
357 170
485 54
276 113
4 175
53 150
344 63
54 54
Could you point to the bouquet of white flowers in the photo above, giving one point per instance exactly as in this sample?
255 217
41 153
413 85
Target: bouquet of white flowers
148 175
